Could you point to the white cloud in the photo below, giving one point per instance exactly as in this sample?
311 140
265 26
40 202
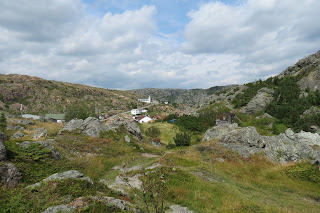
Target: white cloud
224 44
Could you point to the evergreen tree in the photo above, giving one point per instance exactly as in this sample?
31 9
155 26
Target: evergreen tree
3 123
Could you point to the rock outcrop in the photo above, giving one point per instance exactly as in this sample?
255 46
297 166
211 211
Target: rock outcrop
10 175
285 147
18 135
40 133
3 151
64 175
260 101
60 208
131 127
90 126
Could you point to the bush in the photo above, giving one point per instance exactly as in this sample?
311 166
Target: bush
182 139
153 132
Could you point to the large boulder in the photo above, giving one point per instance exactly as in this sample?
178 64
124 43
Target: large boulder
131 127
90 126
10 175
260 101
285 147
3 151
61 176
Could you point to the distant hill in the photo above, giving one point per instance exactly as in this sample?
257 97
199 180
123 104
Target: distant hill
181 96
43 96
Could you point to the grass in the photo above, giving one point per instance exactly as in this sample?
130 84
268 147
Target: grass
199 181
168 131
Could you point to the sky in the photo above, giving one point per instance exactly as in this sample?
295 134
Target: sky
133 44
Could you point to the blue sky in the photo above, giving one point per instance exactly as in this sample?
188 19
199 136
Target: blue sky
132 44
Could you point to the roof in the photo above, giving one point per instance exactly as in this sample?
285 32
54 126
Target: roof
141 117
55 116
36 117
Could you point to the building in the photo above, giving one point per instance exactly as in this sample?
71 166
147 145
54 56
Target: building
145 100
135 112
144 119
34 117
144 111
58 118
225 118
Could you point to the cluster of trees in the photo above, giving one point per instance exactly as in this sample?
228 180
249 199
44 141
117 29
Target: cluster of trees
79 111
3 123
243 99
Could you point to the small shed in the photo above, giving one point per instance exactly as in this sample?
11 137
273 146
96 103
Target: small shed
225 118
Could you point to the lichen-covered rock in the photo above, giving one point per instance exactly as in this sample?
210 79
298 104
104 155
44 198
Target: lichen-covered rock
3 151
60 208
178 209
90 126
131 127
11 127
259 101
285 147
10 175
24 122
64 175
40 133
18 135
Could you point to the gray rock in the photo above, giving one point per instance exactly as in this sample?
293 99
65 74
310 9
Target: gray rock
10 175
60 208
3 151
18 135
24 144
220 160
131 127
40 133
179 209
259 101
11 127
24 122
90 126
217 132
127 139
285 147
313 110
265 115
60 176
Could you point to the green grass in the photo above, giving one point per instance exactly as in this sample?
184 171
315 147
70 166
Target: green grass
168 131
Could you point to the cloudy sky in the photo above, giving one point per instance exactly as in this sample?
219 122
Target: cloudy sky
126 44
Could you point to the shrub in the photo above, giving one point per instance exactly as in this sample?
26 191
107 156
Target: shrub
182 139
153 132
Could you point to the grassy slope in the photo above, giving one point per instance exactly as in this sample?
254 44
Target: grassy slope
43 96
200 182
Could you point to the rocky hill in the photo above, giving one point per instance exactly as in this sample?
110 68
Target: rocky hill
42 96
182 96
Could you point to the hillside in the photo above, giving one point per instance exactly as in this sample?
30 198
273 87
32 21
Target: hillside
42 96
291 99
189 97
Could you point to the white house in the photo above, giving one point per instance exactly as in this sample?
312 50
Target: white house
135 112
144 111
144 119
145 100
